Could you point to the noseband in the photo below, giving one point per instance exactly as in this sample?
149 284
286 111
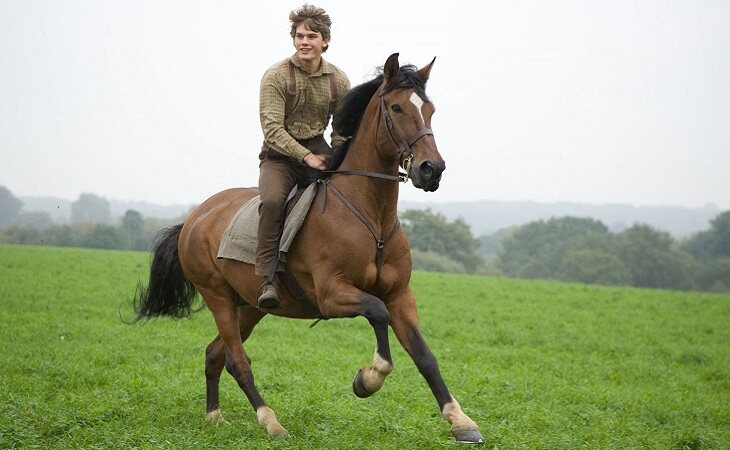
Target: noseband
405 152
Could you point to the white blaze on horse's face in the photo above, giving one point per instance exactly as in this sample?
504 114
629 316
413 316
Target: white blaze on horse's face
427 164
418 103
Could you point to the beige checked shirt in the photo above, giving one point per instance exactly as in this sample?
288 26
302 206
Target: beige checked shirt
311 107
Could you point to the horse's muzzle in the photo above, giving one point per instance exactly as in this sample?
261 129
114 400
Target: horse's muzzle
429 175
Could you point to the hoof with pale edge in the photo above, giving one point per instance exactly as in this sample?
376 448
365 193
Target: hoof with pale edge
468 436
358 388
216 418
281 434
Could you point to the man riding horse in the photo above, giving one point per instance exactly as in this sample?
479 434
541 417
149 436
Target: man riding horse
363 269
297 98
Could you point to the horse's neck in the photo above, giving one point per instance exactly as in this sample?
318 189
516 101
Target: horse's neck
376 197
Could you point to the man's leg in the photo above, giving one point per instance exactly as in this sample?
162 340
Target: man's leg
276 179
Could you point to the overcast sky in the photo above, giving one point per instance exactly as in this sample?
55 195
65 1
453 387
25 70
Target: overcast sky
585 101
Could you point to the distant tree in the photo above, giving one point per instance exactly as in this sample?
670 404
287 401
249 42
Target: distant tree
715 275
37 219
21 235
593 266
90 208
536 250
103 236
151 228
535 267
10 206
652 262
490 244
713 243
711 248
61 235
431 232
133 225
488 250
701 245
435 262
721 228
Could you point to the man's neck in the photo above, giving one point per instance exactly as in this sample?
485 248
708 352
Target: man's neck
311 66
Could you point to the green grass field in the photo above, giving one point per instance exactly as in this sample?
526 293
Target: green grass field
538 365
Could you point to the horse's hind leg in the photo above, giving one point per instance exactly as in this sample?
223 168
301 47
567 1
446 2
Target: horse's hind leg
225 313
215 360
404 321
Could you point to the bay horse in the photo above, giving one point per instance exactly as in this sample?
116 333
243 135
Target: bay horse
352 260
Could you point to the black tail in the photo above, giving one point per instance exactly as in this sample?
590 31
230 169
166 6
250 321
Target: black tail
168 293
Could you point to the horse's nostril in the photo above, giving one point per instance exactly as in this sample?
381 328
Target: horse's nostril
426 170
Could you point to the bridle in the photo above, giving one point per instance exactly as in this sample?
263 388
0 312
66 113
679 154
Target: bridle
405 159
404 148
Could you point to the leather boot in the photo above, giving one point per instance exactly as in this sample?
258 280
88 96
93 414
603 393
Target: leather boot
269 297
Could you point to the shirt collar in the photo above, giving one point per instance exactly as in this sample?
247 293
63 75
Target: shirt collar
324 68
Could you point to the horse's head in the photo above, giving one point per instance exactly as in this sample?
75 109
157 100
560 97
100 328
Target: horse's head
407 114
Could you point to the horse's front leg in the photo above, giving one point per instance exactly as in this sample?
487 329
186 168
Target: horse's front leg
348 301
404 321
370 379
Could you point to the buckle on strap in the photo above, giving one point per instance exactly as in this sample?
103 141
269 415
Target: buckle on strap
406 165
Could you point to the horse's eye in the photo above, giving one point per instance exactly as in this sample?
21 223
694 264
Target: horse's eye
396 108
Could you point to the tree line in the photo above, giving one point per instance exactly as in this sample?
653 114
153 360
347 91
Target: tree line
91 225
575 249
584 250
565 248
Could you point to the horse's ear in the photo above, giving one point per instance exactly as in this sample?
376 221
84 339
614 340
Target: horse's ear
391 68
426 70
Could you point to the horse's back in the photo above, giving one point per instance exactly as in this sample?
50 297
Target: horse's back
201 234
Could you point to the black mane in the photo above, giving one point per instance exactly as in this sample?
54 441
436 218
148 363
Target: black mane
348 115
349 112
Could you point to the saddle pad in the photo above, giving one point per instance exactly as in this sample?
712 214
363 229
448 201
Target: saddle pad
239 239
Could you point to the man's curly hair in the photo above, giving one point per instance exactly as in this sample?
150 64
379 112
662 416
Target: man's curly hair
313 18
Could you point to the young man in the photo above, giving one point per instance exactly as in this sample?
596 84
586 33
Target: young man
297 98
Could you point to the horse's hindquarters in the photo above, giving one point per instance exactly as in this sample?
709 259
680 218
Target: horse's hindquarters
201 235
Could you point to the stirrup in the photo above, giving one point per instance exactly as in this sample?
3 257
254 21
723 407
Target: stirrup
268 296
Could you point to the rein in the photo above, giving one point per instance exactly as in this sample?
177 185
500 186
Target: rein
401 177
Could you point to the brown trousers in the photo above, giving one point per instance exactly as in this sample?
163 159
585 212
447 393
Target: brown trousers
278 174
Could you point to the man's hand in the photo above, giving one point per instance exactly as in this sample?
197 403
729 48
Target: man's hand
318 162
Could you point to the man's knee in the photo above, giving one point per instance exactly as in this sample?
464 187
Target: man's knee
272 204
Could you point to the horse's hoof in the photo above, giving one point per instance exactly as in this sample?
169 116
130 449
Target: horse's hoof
358 387
468 436
279 433
216 418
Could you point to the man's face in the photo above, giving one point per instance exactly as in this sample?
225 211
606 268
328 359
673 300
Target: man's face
309 44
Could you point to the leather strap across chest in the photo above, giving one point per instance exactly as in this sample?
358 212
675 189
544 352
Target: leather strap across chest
291 93
380 240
